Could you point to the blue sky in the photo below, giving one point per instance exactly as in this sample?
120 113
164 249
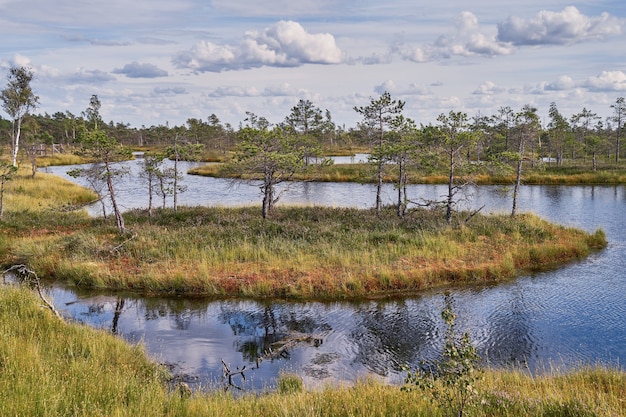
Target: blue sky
157 61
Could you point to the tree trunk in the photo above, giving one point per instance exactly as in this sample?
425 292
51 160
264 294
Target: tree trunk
518 179
379 187
16 141
450 190
3 181
119 220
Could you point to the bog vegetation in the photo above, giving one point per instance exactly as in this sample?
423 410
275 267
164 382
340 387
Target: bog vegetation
48 367
51 368
299 252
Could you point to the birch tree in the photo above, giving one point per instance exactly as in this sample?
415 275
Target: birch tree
18 100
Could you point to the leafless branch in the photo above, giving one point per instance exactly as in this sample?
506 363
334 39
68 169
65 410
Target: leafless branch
28 276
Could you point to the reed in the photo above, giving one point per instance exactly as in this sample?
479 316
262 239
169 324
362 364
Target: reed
50 368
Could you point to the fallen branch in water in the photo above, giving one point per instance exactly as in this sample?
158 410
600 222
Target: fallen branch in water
26 275
229 374
281 347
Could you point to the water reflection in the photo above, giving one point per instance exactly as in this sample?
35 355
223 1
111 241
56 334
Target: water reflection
573 315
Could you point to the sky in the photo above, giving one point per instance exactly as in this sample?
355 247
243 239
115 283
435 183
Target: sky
156 62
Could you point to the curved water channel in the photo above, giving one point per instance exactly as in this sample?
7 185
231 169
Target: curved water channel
561 318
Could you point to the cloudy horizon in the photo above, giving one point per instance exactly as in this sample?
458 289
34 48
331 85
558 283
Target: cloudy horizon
157 62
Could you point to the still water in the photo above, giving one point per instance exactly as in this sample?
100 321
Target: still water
562 318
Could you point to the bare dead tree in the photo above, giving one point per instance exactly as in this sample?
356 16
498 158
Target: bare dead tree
26 275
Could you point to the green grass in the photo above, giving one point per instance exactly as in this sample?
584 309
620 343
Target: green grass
50 368
572 174
300 252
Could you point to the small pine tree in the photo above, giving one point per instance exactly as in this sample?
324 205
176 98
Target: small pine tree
451 381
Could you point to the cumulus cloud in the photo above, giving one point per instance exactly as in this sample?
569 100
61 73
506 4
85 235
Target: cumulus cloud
488 88
558 28
467 39
410 90
607 81
564 82
140 70
21 60
284 44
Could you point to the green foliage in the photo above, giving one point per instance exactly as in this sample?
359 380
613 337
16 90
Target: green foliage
289 384
18 99
268 157
452 381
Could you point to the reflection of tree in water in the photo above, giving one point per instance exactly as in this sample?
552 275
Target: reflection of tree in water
259 326
392 334
119 307
181 310
509 337
101 305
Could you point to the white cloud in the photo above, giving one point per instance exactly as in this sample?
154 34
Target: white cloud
140 70
280 90
467 39
230 91
488 88
607 81
410 90
279 7
170 91
284 44
565 27
564 82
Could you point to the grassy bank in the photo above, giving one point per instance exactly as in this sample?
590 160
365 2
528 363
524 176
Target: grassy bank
300 252
50 368
364 173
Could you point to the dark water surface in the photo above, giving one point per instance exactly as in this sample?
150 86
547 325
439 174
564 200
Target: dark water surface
563 318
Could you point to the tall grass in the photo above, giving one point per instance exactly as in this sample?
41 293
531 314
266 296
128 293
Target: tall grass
46 191
61 159
364 173
50 368
300 252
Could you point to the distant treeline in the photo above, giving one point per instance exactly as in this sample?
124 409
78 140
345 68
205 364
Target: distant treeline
582 136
